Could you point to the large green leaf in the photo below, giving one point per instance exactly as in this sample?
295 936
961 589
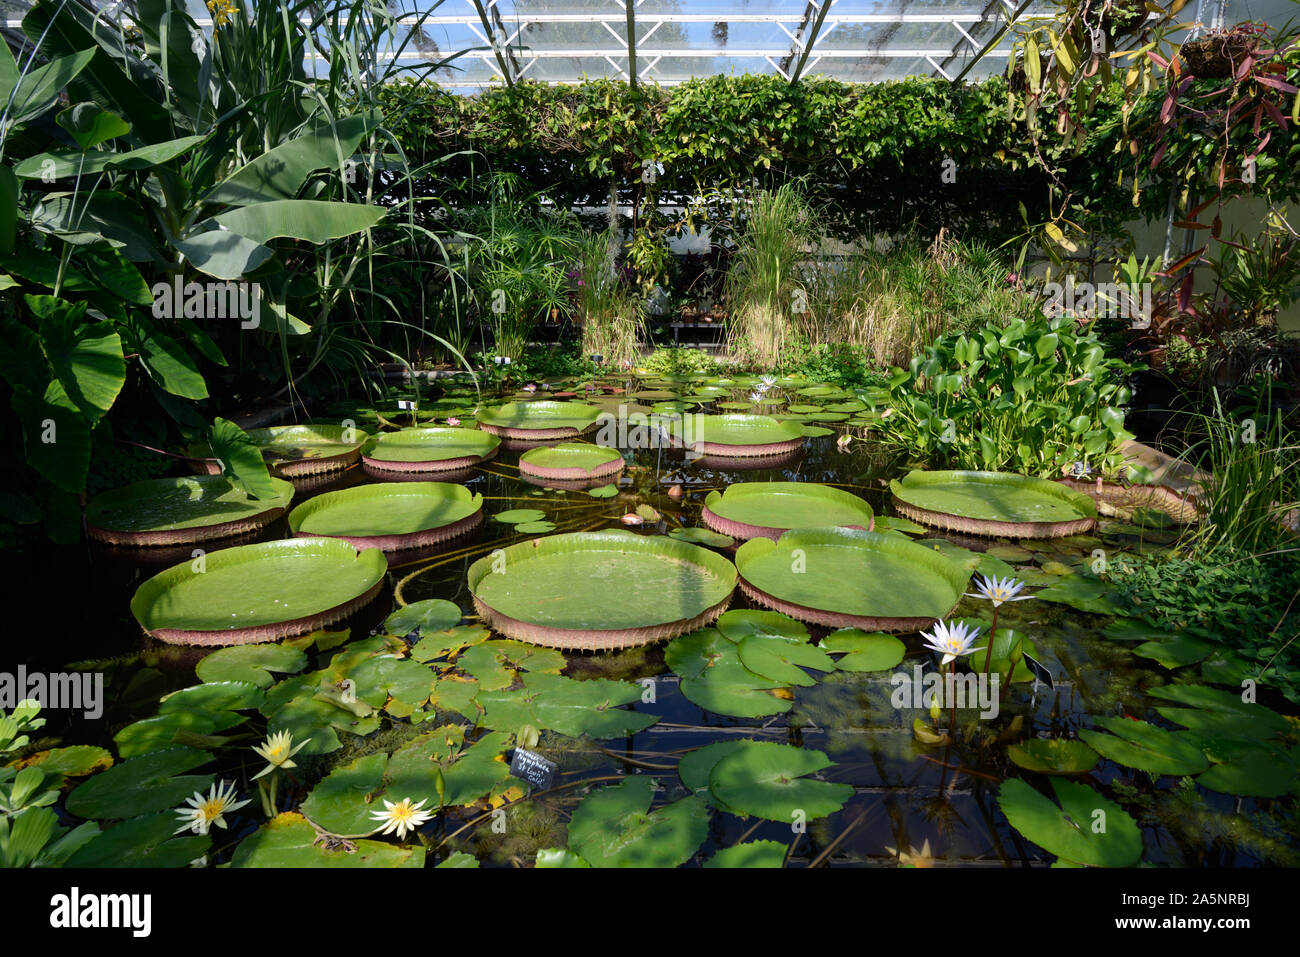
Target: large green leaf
769 781
61 164
85 357
221 253
148 841
279 173
104 216
169 364
90 124
39 89
1137 744
315 221
241 458
144 785
56 435
1085 828
614 827
289 840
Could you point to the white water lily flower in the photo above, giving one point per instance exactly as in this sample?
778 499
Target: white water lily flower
401 817
277 751
999 591
203 812
952 640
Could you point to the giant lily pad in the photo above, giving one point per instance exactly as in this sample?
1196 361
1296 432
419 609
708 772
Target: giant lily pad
390 516
292 450
607 589
170 511
571 461
258 592
993 503
543 419
842 577
769 781
767 509
735 436
435 449
1085 828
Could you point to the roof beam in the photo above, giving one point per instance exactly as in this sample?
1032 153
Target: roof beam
630 7
808 36
496 34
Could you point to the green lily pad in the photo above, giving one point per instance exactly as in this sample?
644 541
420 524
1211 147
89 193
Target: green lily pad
250 663
739 623
519 516
1137 744
535 528
732 430
1175 651
288 840
864 651
338 804
147 841
991 497
175 504
893 578
214 696
285 444
559 857
143 785
750 854
433 444
439 644
769 781
614 827
702 536
713 676
694 767
783 659
1214 699
1081 826
161 731
569 706
593 583
1257 772
422 617
250 586
540 415
568 460
779 506
1082 594
460 860
369 511
1053 756
604 491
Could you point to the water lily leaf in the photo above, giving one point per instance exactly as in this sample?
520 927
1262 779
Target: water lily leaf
530 657
768 780
1257 772
603 491
694 767
341 802
1081 826
1053 756
1082 594
421 617
455 694
250 663
487 664
749 854
476 772
439 644
148 841
408 682
566 705
702 536
783 659
740 623
614 827
289 840
214 696
735 691
1213 699
1008 553
1137 744
143 785
559 857
520 516
535 528
876 651
460 859
71 762
1132 629
164 730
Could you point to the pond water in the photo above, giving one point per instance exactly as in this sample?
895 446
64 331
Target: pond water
906 795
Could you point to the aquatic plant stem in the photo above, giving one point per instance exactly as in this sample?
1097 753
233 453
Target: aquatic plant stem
988 653
952 693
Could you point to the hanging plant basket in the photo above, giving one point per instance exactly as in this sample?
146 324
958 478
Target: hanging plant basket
1218 54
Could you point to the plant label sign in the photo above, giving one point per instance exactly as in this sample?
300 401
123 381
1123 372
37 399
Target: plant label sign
406 404
533 768
1040 673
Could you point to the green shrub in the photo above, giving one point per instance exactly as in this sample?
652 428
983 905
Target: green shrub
678 360
1033 398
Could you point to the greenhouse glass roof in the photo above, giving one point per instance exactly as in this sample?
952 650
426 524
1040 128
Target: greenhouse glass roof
465 45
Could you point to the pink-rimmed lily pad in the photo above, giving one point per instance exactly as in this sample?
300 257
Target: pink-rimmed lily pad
390 516
841 577
291 451
735 436
769 509
174 511
993 503
600 590
571 462
433 449
260 592
540 420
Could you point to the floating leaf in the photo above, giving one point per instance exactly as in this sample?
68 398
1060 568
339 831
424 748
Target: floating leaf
614 827
1053 756
1137 744
288 840
750 854
1081 827
143 785
876 651
148 841
421 617
250 663
768 780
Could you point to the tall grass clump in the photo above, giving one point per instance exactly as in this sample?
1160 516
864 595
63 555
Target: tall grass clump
609 310
765 286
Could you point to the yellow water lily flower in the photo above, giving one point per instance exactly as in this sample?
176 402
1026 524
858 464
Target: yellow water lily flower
401 817
203 812
277 751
